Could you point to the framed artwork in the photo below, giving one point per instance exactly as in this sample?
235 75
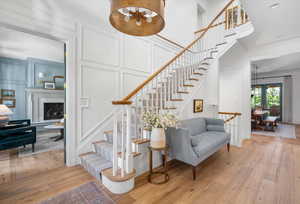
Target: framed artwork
8 93
9 102
49 85
198 105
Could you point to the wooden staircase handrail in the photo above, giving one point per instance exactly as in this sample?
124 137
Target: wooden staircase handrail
230 113
212 26
172 42
233 115
126 99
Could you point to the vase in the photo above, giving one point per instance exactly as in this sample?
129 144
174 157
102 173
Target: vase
158 138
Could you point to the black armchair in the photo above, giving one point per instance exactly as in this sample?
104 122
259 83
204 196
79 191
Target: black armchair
17 133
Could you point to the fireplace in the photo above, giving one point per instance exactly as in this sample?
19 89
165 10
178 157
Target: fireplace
53 111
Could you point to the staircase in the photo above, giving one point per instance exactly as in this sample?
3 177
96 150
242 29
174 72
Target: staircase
112 160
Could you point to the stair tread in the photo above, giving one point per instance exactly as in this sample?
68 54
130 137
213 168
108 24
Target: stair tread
205 63
188 85
183 92
229 35
108 132
193 79
197 73
202 68
134 154
96 162
177 99
87 153
170 108
140 140
223 43
98 142
118 178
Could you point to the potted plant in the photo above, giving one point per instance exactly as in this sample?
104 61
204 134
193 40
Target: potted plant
157 123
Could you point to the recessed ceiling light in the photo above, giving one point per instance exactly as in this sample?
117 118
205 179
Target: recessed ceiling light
274 5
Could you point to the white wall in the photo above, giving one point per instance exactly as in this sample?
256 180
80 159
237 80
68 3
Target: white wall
181 21
235 86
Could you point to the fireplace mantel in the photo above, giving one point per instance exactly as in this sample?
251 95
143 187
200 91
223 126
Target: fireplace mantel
35 102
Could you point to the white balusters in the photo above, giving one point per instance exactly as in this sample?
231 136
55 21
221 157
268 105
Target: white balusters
115 144
129 156
232 124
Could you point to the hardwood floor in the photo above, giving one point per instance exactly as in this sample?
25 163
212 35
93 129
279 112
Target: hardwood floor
265 170
14 168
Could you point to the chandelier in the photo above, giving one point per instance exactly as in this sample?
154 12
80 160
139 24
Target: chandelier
138 17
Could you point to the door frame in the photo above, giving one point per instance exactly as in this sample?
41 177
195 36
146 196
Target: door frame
264 94
70 82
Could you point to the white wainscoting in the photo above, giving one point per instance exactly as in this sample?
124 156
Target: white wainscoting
100 47
112 65
136 54
101 87
161 55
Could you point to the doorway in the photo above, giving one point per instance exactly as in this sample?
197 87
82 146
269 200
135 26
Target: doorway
268 97
32 80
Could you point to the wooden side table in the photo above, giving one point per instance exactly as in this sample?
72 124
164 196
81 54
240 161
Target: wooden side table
164 171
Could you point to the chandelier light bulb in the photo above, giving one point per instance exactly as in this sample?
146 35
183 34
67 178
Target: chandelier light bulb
125 10
148 12
138 23
149 20
127 18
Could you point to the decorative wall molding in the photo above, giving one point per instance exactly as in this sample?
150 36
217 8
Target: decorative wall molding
100 47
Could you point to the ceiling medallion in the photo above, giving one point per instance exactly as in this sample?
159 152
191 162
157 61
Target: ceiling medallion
138 17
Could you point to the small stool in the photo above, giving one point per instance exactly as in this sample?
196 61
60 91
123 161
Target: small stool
165 169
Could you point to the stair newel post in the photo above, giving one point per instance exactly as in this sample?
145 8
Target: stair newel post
115 143
129 156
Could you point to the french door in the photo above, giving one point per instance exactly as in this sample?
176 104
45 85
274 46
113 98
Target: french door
268 97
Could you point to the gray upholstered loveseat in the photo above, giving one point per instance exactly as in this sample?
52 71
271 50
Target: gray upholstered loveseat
196 140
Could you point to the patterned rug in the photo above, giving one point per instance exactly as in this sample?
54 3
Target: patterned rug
85 194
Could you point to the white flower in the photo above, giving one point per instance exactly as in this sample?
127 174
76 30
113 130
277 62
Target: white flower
153 120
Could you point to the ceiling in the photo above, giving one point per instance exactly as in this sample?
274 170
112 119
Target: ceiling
15 44
284 63
273 24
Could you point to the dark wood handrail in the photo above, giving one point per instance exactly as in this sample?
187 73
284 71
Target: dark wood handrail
126 99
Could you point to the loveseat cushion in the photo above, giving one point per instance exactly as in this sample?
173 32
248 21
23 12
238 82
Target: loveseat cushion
216 128
208 141
196 126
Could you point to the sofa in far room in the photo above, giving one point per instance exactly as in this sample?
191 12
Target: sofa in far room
196 140
17 133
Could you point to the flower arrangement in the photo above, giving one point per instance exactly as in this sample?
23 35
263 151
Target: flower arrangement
154 120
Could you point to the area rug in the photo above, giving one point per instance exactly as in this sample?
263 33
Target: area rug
44 143
283 130
85 194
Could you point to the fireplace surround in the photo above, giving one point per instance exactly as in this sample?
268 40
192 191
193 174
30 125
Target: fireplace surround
45 105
